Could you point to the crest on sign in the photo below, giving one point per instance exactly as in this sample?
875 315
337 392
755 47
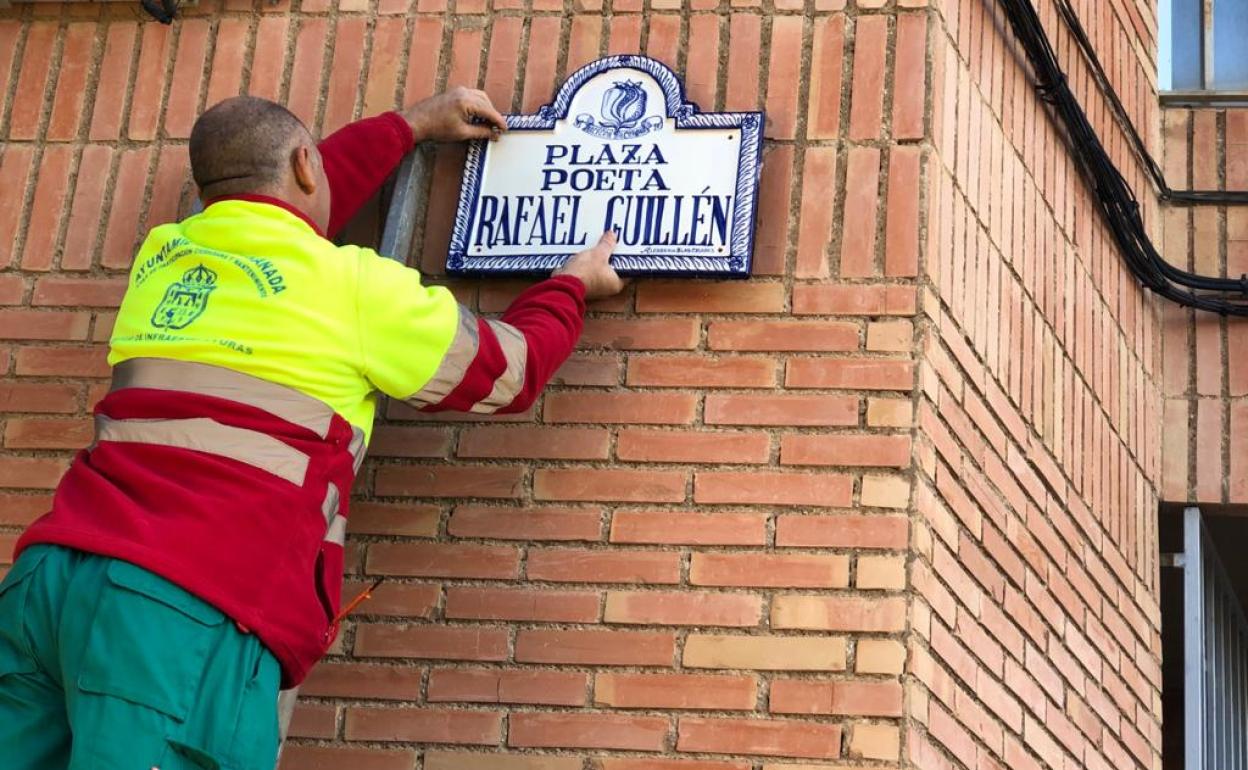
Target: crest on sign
619 148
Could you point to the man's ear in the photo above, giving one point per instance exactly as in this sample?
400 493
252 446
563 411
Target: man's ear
304 166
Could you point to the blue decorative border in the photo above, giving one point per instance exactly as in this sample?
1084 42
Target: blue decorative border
686 116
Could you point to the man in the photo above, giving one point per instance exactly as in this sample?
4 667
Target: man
193 556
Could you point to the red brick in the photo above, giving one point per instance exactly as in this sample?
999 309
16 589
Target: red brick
744 55
781 410
856 299
466 603
303 757
225 77
703 60
168 184
40 397
641 333
568 565
479 685
146 99
850 698
816 221
85 213
32 81
443 560
10 34
314 720
71 82
362 680
48 434
775 194
688 528
15 167
345 73
584 41
769 737
604 648
678 447
701 371
390 519
412 601
188 71
910 76
664 40
849 373
79 292
376 640
857 450
267 70
784 77
862 182
676 691
625 35
409 441
769 570
529 523
722 297
113 78
306 74
669 608
836 613
866 102
637 408
30 472
20 509
827 62
423 59
425 725
593 484
442 481
823 489
783 335
122 233
47 208
589 731
901 235
534 442
539 72
446 760
43 325
850 531
12 292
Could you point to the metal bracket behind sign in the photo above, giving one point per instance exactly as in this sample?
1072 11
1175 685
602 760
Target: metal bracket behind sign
406 203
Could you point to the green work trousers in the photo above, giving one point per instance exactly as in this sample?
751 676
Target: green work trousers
106 666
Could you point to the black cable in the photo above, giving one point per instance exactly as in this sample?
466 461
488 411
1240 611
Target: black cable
1117 202
1195 197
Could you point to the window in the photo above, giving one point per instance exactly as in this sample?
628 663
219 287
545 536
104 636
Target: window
1202 45
1204 642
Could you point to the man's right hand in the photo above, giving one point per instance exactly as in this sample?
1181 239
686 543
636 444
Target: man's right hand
593 268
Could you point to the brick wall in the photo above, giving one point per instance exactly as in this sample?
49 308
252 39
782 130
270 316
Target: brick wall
1034 564
1205 361
695 545
891 501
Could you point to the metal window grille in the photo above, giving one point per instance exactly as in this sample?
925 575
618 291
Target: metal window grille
1215 652
1201 45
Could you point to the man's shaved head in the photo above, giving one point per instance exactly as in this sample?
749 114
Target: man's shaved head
244 145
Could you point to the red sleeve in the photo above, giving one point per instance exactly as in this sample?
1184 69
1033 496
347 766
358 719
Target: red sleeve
507 374
358 158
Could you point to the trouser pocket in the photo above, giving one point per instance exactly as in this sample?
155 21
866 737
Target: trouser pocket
149 642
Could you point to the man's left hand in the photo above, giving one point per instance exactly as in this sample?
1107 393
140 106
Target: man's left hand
455 116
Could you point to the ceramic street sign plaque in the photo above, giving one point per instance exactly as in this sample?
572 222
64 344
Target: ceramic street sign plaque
619 148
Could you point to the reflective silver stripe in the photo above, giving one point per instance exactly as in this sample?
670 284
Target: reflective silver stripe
337 533
357 448
210 437
450 372
329 508
208 380
516 351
